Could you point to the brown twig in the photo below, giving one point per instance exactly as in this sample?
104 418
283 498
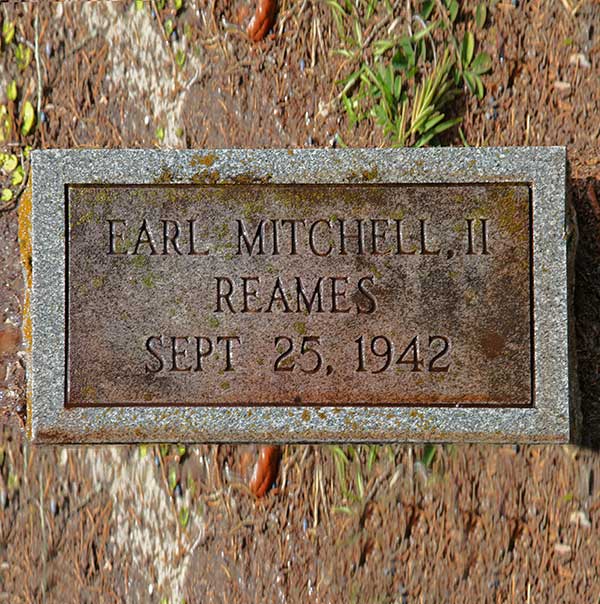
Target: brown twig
38 65
166 39
377 26
591 193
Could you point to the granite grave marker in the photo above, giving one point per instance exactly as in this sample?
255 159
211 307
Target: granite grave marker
307 295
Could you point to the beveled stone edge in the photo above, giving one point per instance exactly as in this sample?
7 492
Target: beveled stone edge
544 169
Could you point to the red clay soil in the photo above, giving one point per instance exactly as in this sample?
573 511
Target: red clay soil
131 524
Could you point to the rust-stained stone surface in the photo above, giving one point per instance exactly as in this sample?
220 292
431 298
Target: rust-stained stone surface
426 312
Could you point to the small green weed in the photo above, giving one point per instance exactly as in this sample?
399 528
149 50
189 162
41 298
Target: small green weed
18 119
354 467
184 517
405 82
180 58
22 56
11 91
8 32
27 118
428 455
172 478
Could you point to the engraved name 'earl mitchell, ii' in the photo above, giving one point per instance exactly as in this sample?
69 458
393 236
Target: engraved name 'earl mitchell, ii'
322 237
288 237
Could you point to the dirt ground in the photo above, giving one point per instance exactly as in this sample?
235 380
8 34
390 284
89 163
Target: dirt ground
175 524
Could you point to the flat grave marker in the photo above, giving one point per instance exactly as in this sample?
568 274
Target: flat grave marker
296 296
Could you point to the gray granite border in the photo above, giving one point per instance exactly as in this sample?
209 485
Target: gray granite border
544 169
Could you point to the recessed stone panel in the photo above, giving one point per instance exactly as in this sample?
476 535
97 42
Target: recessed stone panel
260 294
